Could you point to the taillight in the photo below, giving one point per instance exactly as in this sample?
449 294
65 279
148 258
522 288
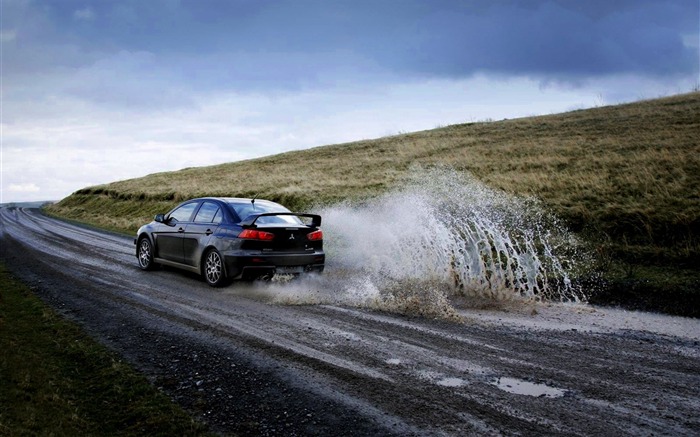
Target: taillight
252 234
315 235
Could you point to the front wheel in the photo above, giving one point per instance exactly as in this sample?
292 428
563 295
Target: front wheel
145 254
213 270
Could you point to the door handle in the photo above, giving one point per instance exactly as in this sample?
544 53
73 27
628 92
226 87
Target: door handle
208 232
181 230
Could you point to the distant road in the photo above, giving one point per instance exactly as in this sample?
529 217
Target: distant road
254 368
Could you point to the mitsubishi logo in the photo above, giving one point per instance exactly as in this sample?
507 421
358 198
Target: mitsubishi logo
291 237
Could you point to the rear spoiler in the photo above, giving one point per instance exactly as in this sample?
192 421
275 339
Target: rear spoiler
250 221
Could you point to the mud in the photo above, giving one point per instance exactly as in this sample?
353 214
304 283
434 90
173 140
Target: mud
249 361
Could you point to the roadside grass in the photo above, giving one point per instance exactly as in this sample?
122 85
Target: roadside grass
625 177
54 380
649 288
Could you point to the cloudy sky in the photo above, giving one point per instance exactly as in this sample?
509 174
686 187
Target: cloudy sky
95 91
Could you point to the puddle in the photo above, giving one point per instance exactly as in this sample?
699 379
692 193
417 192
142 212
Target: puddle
451 382
520 387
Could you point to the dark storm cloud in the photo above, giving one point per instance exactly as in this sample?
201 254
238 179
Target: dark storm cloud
258 44
564 39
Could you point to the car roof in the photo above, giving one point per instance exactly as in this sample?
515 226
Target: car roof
234 199
225 199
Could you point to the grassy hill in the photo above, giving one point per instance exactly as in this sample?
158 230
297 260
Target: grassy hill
625 177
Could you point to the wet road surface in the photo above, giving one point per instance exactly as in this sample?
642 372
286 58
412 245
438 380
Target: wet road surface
248 366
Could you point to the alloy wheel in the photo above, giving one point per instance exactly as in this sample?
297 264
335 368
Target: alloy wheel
145 253
213 267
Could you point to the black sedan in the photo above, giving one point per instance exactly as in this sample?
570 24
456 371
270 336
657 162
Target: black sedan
230 238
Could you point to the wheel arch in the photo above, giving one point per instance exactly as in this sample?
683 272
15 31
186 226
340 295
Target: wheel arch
145 234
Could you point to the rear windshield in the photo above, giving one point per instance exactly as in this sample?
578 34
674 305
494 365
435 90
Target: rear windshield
247 209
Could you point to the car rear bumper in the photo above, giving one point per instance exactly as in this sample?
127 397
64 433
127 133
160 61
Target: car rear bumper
251 266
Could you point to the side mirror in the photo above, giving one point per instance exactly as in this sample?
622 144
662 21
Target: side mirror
160 218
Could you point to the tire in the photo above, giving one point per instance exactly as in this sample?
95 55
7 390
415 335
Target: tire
145 254
213 269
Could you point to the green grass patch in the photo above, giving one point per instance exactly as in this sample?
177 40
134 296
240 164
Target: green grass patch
54 380
670 290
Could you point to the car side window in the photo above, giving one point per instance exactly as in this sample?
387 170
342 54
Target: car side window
183 213
218 217
207 213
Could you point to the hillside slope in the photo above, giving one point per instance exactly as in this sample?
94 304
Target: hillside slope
625 177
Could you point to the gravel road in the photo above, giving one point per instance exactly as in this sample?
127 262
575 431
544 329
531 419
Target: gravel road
247 364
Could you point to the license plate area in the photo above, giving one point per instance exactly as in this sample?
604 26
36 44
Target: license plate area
289 270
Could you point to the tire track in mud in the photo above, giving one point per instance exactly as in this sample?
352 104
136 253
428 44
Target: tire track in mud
254 368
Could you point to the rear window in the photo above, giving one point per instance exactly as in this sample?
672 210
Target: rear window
246 209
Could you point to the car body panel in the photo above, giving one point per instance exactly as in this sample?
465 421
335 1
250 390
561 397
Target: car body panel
168 241
195 240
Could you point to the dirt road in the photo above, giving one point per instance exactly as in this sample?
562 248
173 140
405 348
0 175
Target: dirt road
248 362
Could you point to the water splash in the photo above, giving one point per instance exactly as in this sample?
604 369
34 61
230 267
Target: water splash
444 234
447 227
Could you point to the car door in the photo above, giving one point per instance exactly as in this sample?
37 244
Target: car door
169 239
197 233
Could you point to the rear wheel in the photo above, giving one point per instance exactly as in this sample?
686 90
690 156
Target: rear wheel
145 254
213 270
